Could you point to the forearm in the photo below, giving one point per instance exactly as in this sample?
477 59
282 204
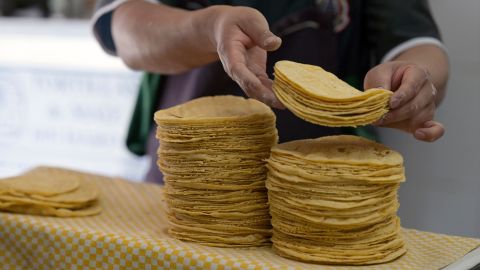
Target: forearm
435 60
162 39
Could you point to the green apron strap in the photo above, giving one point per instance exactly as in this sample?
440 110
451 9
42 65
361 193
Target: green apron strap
142 120
367 132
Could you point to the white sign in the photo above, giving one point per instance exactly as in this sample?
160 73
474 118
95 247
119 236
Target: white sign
73 115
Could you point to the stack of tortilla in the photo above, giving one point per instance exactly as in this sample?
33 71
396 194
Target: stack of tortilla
334 200
212 155
50 191
319 97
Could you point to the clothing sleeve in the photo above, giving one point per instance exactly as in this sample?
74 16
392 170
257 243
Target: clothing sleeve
393 27
102 23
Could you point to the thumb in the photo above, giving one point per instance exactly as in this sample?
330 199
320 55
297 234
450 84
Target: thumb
378 77
256 27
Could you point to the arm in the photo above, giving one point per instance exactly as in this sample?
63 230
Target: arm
163 39
167 40
414 65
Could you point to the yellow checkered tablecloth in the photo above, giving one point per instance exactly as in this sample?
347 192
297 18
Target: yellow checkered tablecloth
131 233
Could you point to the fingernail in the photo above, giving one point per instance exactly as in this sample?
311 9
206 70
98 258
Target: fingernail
420 135
428 124
270 40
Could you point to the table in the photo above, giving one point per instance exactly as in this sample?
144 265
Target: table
131 233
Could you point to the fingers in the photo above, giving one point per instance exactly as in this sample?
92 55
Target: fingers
242 45
413 80
252 78
257 65
413 101
431 131
418 122
424 99
252 85
275 102
421 126
254 25
256 87
256 59
409 122
423 116
378 77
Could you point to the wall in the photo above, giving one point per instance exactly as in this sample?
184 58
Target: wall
442 192
63 101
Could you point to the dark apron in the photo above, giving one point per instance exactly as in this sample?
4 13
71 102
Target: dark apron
308 37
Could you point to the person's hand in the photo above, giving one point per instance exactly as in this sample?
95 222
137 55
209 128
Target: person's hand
413 102
242 38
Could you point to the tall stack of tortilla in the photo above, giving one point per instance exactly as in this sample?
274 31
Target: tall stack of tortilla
318 96
334 200
212 155
50 191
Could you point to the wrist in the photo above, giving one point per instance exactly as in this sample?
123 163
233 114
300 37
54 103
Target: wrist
207 23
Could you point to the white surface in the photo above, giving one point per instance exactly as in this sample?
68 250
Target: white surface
63 101
467 262
443 178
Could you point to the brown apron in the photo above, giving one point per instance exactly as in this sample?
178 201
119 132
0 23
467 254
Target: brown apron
308 37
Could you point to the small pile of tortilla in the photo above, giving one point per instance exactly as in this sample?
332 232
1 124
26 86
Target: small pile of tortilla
319 97
212 155
50 191
333 200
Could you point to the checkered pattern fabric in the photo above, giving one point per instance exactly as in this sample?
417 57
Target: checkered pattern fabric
131 234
